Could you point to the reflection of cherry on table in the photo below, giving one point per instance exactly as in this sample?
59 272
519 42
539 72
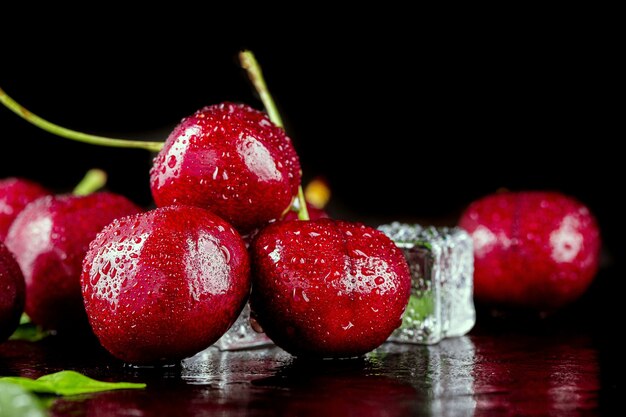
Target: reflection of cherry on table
550 368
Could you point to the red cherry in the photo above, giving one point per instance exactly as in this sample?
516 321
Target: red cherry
230 159
11 293
537 250
163 285
328 288
15 194
49 239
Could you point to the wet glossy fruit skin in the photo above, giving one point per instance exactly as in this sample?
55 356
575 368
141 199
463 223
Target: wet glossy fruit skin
15 194
532 250
230 159
49 239
163 285
328 288
11 293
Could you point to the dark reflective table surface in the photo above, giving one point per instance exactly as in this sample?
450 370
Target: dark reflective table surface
531 369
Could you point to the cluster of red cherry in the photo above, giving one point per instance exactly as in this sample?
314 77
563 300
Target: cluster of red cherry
161 285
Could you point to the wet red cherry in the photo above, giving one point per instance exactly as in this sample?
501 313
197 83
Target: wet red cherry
163 285
537 250
230 159
49 239
326 288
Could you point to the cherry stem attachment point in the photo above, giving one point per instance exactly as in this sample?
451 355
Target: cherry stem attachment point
303 211
55 129
251 65
93 180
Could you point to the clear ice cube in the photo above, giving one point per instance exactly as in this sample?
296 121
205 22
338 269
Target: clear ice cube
441 261
241 335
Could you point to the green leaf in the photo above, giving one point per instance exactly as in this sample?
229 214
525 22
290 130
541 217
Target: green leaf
16 401
68 383
28 331
24 319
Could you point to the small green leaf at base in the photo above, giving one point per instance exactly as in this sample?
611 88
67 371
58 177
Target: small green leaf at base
68 383
28 331
16 401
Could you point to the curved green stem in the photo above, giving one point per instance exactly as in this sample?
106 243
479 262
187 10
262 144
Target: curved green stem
252 67
93 180
55 129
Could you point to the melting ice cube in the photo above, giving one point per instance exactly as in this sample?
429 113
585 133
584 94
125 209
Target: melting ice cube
241 335
441 261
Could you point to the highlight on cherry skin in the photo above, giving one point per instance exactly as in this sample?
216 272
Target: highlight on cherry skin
15 194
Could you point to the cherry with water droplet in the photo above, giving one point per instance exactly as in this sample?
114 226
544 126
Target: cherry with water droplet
259 170
49 239
318 306
230 159
532 250
181 278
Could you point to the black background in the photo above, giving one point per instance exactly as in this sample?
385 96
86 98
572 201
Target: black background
405 121
408 115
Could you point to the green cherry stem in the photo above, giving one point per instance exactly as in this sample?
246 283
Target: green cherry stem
55 129
303 211
252 67
93 180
